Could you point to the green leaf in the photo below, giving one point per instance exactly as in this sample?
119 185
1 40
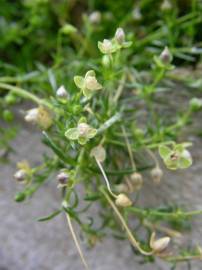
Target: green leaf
49 217
92 197
48 141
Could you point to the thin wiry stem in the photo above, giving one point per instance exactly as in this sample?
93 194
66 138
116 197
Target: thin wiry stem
129 148
131 238
76 241
105 178
25 94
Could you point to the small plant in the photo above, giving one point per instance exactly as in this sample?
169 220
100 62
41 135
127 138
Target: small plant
97 116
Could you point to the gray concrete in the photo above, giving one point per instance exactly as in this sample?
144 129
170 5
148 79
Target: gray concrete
28 245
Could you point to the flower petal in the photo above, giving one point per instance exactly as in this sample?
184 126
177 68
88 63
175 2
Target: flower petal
79 81
90 73
72 133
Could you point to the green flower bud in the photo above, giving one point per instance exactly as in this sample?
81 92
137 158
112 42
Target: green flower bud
195 104
19 197
68 29
8 116
106 61
10 99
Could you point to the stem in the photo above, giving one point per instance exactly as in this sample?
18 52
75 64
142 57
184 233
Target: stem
24 94
105 178
131 238
129 148
109 122
76 241
153 157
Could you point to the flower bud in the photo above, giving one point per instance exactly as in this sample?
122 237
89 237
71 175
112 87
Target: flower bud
166 56
120 35
160 244
136 180
106 61
20 176
99 153
123 201
19 197
32 115
62 178
195 104
61 92
156 174
95 17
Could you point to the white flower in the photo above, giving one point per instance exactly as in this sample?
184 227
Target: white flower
106 46
88 84
83 132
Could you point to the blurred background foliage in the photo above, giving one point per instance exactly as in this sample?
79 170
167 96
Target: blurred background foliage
29 29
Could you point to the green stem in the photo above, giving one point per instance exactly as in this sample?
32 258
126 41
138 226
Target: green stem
24 94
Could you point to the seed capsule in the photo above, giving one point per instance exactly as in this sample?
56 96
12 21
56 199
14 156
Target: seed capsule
156 175
99 153
123 201
136 180
160 244
122 188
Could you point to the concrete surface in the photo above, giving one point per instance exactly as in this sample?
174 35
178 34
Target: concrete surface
28 245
